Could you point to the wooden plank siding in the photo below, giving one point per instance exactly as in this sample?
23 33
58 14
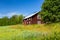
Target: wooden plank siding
32 20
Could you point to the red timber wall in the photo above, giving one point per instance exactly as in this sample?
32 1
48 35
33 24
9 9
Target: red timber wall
33 20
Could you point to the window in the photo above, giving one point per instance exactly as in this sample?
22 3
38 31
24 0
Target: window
29 18
38 16
29 22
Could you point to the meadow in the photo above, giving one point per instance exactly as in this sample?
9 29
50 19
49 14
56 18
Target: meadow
30 32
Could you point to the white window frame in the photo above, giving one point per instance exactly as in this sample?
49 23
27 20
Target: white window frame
29 22
38 16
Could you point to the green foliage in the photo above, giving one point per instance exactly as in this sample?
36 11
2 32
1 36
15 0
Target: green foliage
15 19
51 11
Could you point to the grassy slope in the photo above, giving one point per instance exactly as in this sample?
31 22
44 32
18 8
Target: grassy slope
30 32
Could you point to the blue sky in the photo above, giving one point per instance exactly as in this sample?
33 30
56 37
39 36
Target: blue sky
16 7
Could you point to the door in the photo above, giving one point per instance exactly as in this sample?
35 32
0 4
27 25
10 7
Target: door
38 22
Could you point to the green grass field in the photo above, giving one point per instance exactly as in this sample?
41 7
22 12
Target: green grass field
30 32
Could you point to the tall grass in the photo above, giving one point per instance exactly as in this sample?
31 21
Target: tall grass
31 32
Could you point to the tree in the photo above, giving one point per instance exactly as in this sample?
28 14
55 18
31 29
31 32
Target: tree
21 19
15 19
4 21
51 11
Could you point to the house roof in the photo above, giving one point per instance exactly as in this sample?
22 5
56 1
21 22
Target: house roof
31 15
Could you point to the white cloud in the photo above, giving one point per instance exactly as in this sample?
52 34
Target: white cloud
13 13
9 14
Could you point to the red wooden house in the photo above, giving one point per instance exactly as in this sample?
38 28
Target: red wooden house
32 19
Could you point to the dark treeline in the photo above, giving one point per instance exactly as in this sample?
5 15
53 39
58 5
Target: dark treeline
15 19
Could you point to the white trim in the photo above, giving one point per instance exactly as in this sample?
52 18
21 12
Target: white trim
30 15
